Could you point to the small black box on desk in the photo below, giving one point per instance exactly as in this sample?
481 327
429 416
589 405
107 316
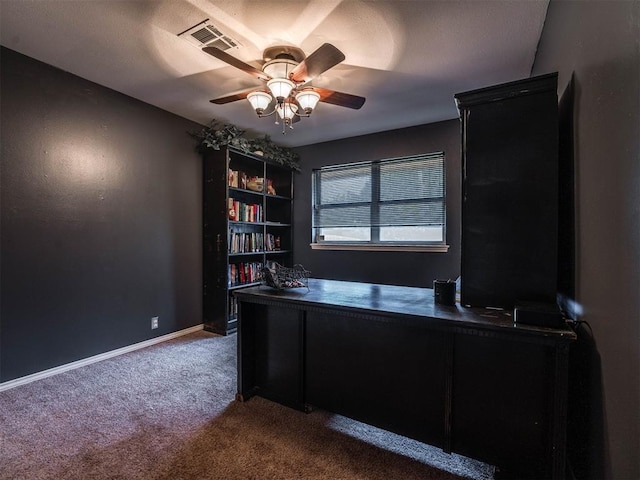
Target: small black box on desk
538 313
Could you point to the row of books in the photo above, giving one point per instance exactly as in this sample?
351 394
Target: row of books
272 243
244 212
245 242
247 272
253 242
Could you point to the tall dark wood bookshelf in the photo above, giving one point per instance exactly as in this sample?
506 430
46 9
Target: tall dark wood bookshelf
258 230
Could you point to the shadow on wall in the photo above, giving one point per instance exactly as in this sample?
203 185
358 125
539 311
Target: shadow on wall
586 442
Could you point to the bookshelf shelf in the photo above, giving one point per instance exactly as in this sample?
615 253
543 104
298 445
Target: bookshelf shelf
244 285
236 222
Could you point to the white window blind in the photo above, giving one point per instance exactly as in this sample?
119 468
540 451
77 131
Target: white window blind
399 200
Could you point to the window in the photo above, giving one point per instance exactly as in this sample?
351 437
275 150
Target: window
383 204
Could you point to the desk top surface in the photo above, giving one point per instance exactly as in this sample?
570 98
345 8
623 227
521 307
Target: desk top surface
409 303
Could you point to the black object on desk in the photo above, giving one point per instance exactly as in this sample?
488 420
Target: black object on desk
444 292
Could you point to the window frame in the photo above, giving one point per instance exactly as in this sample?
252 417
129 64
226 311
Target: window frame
374 243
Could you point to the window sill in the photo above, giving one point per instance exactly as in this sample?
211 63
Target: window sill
380 247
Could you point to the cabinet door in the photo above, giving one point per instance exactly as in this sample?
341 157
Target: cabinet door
502 403
510 200
379 373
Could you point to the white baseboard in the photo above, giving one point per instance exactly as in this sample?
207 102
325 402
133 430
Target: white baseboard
96 358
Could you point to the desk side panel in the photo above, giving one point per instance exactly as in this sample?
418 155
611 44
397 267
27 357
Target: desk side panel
270 353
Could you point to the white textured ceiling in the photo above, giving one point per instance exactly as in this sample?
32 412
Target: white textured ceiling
407 57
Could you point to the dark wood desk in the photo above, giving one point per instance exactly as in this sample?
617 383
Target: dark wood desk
465 379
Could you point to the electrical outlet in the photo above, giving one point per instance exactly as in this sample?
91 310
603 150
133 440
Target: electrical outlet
154 322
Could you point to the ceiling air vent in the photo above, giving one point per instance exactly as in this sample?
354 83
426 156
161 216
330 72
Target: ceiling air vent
206 34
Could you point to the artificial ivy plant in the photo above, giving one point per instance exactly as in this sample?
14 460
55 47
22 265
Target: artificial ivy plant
218 134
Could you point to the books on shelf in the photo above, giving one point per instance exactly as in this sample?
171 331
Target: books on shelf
245 242
244 212
272 243
244 272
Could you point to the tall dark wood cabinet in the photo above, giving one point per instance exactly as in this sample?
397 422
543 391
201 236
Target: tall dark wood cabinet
510 193
247 211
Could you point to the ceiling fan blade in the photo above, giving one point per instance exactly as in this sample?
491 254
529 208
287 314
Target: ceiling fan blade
339 98
232 98
321 60
234 62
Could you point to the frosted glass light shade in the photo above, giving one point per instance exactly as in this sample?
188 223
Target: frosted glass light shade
308 99
280 87
287 110
259 101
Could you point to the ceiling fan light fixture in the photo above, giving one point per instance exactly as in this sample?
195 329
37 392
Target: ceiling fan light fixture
280 87
308 99
287 73
259 101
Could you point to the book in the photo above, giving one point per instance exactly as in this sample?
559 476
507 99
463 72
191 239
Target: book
231 210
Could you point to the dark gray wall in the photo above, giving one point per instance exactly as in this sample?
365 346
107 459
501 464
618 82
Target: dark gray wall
395 268
101 219
599 44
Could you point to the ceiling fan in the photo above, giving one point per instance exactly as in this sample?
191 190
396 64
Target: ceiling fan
287 73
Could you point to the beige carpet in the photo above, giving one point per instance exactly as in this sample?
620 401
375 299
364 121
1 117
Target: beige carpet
168 412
